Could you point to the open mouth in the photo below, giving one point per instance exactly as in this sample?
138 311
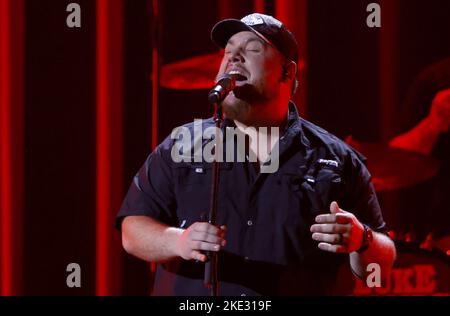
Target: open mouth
238 75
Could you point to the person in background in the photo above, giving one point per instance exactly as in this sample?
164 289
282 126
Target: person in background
280 233
424 129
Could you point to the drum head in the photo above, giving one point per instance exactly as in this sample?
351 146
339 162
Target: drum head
416 272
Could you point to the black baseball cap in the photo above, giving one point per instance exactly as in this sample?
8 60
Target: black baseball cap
265 26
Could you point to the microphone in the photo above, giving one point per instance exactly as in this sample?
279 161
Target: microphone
224 85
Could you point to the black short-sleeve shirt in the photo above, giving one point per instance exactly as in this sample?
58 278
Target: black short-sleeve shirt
269 247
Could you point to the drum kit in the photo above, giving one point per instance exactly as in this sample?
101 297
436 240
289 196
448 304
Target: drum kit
422 266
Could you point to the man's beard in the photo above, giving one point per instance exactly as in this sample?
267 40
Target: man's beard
239 104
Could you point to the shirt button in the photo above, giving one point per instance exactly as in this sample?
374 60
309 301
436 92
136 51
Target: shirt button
249 223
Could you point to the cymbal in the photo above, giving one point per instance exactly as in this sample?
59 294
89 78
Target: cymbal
198 72
394 168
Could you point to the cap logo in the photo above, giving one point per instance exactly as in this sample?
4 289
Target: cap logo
253 20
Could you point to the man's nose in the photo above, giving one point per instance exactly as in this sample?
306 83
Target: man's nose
235 57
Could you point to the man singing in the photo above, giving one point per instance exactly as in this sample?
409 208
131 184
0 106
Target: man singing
279 233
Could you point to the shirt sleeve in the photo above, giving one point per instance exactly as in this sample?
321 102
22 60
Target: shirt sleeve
363 201
151 191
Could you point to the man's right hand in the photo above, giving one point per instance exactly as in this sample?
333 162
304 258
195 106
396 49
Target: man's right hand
440 110
198 237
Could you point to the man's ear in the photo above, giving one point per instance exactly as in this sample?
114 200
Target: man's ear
289 70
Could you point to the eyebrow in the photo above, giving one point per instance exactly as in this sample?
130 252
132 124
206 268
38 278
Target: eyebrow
253 39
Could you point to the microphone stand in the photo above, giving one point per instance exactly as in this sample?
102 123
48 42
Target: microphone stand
211 281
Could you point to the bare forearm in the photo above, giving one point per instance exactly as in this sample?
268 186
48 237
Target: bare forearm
420 139
149 239
381 251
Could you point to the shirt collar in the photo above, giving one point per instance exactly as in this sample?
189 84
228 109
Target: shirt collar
293 126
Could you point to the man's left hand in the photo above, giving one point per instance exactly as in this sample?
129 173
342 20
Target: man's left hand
338 232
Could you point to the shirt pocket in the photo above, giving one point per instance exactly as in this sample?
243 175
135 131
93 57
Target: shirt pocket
315 188
324 187
193 190
293 196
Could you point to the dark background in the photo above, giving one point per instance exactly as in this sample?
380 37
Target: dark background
344 79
